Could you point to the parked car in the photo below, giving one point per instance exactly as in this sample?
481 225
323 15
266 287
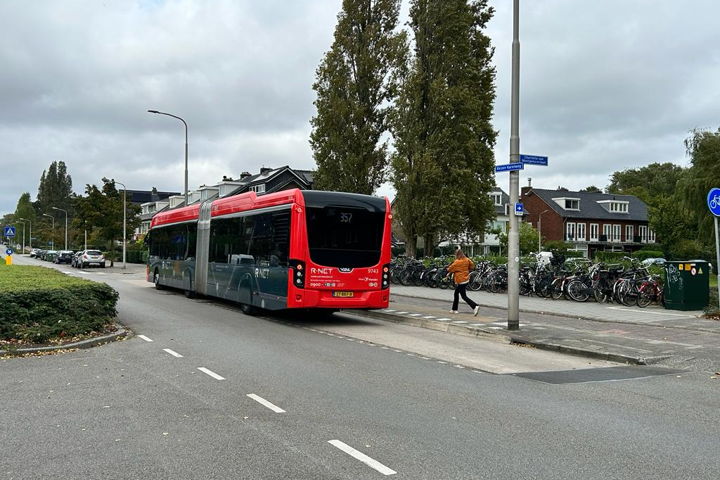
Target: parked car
653 261
91 257
49 255
75 261
34 252
64 256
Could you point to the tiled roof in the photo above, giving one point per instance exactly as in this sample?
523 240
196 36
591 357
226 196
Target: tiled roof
589 206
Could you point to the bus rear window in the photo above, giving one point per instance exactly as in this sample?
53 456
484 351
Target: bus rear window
341 236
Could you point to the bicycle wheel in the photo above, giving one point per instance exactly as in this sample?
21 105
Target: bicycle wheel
578 291
645 296
556 290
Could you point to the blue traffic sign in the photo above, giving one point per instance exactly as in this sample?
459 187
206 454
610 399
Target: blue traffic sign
9 231
519 209
534 159
713 201
509 166
9 251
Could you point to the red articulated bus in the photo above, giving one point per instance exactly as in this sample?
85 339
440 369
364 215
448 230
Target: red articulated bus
289 249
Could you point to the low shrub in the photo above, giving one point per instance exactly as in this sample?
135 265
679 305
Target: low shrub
643 254
39 303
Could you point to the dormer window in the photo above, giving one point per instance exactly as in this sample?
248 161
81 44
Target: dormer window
615 206
568 203
258 188
496 198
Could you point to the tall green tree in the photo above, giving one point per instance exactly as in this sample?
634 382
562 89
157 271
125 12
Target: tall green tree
100 213
442 168
355 84
651 183
703 148
55 189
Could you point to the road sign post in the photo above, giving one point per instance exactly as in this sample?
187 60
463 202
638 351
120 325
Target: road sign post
713 202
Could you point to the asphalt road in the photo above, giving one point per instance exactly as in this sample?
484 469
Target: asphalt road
338 398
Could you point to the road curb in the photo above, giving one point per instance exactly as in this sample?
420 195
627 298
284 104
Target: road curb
89 343
505 337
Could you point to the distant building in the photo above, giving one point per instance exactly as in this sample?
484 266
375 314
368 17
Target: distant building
589 221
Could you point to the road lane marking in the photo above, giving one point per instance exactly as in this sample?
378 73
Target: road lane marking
145 338
374 464
172 352
211 373
264 402
84 273
651 313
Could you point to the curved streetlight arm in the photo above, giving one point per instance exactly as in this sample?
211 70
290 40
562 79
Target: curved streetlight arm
66 223
157 112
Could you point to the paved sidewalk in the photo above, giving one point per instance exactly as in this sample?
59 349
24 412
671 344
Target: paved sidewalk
627 334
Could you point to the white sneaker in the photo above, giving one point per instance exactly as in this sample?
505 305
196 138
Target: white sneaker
454 311
475 312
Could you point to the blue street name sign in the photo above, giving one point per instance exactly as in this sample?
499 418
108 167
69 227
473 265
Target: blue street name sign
509 166
519 209
713 201
534 159
9 231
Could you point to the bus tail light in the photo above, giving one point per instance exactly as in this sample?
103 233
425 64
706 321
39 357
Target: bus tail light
298 267
386 276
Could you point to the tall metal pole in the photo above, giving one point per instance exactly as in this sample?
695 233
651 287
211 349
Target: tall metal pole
30 231
186 147
124 221
23 242
66 224
513 235
52 240
717 254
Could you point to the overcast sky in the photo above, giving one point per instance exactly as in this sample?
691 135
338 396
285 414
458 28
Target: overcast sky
605 85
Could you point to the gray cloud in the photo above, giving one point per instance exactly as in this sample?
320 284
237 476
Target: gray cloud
605 86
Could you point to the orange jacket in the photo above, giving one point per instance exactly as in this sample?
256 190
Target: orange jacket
461 268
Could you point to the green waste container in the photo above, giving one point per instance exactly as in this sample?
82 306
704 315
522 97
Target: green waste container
688 285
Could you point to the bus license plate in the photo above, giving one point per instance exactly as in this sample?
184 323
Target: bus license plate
342 294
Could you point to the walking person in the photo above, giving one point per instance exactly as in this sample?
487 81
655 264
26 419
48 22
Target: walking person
461 267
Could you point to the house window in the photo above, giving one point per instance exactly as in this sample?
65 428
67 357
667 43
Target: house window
572 204
497 199
643 233
629 233
607 232
581 232
570 231
651 236
258 188
616 233
594 232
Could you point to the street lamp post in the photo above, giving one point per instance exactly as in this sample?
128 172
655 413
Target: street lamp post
540 228
124 219
30 230
23 242
64 211
52 239
186 147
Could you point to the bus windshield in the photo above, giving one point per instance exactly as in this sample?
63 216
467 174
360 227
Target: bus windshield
344 236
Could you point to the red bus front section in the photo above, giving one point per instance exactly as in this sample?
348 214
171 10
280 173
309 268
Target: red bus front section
313 285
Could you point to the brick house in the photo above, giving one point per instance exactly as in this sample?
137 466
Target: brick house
590 221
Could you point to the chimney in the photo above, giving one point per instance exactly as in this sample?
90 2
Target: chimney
265 170
529 182
245 175
154 197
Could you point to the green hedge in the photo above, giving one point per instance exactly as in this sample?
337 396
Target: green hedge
39 303
643 254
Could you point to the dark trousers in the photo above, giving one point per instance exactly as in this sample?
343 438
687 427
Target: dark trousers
460 292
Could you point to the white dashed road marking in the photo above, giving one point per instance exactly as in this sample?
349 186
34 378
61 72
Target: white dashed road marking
374 464
144 338
172 352
264 402
211 373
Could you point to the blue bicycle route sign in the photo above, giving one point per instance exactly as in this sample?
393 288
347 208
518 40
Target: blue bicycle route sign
713 201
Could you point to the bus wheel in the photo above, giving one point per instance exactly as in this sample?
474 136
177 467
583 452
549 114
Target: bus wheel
156 280
189 294
248 309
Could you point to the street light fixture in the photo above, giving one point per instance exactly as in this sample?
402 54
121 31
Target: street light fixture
52 240
124 219
540 228
186 147
30 230
65 211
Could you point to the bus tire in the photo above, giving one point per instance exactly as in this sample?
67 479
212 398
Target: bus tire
248 309
156 280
